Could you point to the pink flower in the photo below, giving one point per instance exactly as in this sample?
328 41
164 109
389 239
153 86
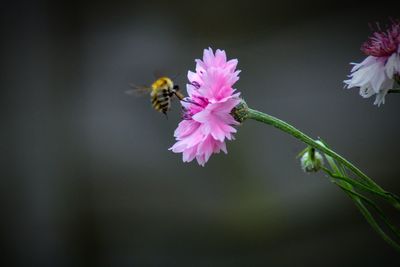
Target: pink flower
207 121
377 73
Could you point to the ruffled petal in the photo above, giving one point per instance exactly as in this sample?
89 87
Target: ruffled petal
207 109
374 76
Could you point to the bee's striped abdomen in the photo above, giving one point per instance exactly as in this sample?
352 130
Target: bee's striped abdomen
161 100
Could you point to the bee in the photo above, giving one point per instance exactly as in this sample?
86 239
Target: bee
162 91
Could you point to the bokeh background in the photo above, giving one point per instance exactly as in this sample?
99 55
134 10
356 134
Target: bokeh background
86 177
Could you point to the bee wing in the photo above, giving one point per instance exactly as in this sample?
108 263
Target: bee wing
138 90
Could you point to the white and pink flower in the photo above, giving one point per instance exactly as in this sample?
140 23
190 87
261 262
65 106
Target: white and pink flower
377 73
207 119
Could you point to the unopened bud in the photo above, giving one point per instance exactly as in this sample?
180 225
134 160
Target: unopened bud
311 160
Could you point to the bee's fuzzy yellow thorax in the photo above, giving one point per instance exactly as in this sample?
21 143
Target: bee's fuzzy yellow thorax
163 82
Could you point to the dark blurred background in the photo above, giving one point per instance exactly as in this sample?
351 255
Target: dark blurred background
86 177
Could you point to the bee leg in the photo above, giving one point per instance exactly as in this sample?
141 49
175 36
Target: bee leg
179 95
166 115
188 100
170 94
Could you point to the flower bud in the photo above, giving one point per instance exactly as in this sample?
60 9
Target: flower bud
311 160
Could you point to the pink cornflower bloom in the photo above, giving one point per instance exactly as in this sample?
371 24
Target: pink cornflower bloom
378 72
207 121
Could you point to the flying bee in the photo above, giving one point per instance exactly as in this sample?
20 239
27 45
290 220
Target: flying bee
161 92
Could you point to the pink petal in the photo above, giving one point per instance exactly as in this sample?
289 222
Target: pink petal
220 58
208 120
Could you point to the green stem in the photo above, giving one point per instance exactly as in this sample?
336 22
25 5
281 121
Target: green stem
357 198
243 112
356 184
247 113
286 127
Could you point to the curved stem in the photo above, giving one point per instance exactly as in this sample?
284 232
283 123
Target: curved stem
355 183
284 126
242 112
359 199
393 199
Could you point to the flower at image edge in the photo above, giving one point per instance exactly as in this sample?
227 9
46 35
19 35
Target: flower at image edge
377 73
